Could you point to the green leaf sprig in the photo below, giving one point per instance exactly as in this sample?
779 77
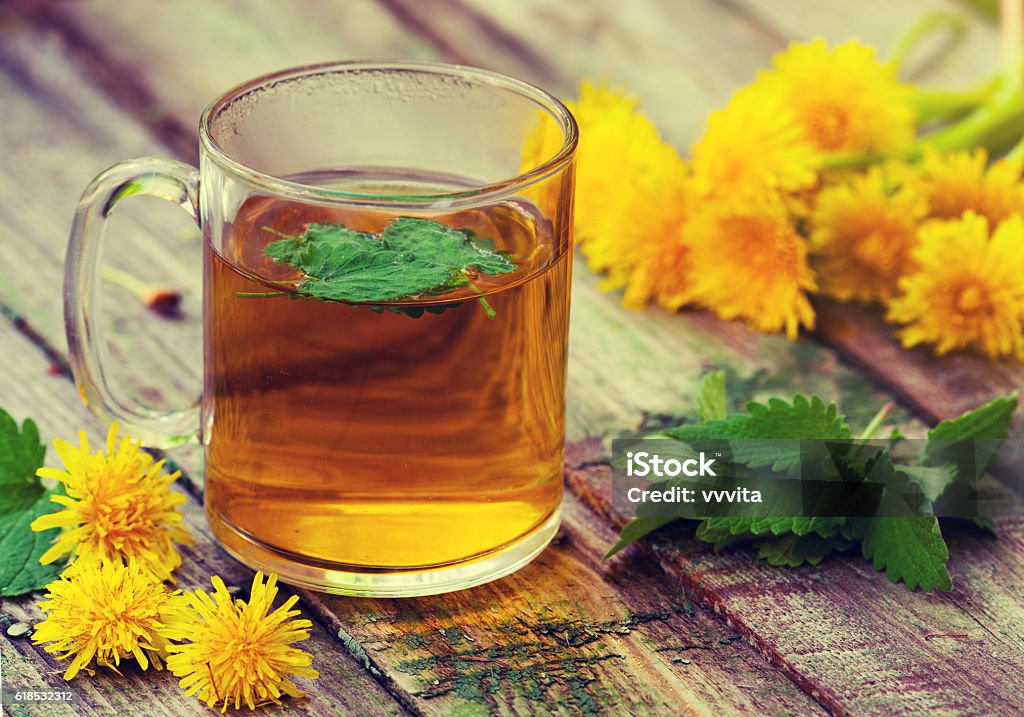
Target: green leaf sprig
908 549
23 498
410 258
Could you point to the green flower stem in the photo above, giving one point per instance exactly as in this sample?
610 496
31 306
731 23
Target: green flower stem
928 25
945 105
995 125
872 427
488 309
1016 153
877 421
124 280
988 8
260 294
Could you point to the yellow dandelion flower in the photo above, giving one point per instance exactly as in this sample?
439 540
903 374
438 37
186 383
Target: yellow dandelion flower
638 238
844 99
968 292
240 653
618 147
662 271
864 232
118 506
107 612
956 182
753 144
750 263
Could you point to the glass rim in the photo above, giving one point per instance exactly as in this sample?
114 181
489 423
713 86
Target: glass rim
281 186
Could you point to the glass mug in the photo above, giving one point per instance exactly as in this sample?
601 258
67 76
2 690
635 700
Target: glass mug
399 447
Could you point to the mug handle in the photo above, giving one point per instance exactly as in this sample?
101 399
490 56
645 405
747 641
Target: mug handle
165 178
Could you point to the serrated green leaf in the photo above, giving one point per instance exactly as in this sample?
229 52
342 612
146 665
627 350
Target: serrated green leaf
743 528
411 257
21 548
933 479
795 550
21 454
713 403
908 549
636 529
958 449
991 421
719 532
803 419
22 499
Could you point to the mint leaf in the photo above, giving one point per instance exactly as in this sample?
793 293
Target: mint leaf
908 549
22 499
713 402
411 258
958 449
933 480
804 418
21 548
991 421
792 551
21 453
636 529
746 528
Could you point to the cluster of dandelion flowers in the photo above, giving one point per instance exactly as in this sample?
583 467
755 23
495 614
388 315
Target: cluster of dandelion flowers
108 612
240 653
118 506
968 290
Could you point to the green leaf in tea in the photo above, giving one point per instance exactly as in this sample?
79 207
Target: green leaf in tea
411 257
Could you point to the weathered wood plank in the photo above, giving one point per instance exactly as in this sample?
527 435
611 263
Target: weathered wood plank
211 47
848 653
28 389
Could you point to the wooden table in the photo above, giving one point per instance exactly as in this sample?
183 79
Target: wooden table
667 628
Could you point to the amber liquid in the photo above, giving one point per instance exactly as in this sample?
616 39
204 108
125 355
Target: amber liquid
363 441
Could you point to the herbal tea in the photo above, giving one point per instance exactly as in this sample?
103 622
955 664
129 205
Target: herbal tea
376 435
